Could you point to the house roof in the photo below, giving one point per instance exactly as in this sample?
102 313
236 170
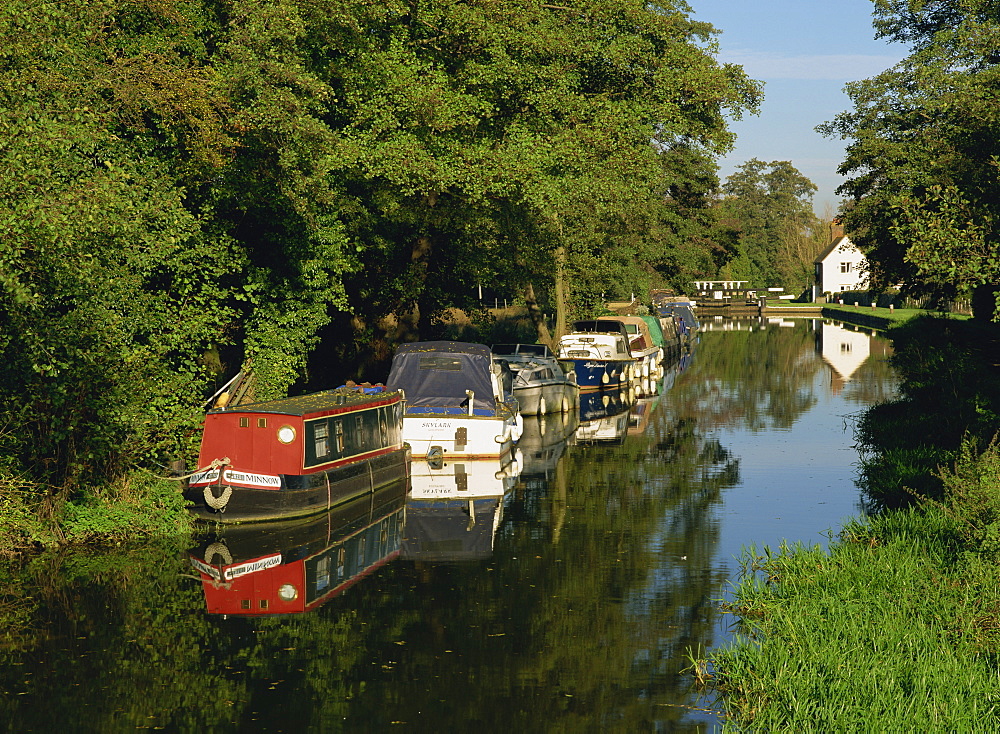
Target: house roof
846 241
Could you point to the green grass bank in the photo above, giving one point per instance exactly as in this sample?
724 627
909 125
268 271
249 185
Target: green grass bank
896 626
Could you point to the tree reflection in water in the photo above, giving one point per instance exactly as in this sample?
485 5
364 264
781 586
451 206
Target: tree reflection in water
602 573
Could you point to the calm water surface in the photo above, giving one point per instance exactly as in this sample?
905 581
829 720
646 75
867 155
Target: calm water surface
560 594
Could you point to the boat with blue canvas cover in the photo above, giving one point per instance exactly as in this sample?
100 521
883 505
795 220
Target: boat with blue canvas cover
459 400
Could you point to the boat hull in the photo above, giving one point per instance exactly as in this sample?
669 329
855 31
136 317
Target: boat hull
602 374
456 434
224 496
553 397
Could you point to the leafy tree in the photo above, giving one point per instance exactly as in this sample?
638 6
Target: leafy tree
769 206
184 179
110 290
472 121
922 160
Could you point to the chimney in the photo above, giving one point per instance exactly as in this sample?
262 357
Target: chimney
836 229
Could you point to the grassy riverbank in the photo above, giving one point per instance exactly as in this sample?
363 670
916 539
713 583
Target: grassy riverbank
137 508
896 627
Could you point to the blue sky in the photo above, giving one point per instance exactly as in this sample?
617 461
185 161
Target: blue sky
804 51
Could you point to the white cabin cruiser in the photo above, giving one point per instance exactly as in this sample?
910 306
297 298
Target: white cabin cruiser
458 400
542 384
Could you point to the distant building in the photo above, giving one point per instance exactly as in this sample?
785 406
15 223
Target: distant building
840 267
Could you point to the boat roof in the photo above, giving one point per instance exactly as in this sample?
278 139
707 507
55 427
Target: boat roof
677 309
437 374
341 397
655 330
602 326
528 350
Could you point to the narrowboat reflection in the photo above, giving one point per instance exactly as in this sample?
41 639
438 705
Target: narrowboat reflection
294 567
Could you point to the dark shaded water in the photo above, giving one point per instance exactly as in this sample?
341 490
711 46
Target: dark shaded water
560 598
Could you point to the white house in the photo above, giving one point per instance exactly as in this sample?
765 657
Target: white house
840 267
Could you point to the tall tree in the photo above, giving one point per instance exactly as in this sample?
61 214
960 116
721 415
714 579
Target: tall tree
471 120
922 161
769 205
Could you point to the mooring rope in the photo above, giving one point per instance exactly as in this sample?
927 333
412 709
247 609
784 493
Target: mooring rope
214 464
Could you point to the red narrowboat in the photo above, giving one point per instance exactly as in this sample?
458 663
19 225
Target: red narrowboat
298 456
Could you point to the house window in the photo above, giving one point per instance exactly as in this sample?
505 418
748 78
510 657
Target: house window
845 267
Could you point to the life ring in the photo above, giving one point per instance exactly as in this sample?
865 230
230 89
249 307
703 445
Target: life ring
217 503
218 549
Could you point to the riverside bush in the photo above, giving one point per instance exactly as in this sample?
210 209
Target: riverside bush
142 506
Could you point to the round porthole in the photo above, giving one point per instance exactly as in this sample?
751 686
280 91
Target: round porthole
286 434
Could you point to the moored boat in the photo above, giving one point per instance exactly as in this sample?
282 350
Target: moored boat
599 351
297 456
683 315
459 400
541 384
646 350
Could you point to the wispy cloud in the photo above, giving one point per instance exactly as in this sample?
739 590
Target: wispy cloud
829 67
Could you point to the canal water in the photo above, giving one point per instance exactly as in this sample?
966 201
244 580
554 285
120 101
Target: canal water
559 593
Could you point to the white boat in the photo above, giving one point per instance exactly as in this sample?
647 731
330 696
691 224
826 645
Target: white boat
648 354
599 352
542 384
464 479
458 401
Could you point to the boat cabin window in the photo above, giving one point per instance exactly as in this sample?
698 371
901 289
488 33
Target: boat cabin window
440 362
244 422
339 433
262 423
321 437
359 428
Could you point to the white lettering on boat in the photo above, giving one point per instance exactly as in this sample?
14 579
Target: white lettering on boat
236 477
204 477
240 569
254 480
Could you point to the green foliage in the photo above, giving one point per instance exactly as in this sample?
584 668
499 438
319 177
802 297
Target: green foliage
946 397
825 648
922 160
142 506
20 527
185 178
768 206
972 498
